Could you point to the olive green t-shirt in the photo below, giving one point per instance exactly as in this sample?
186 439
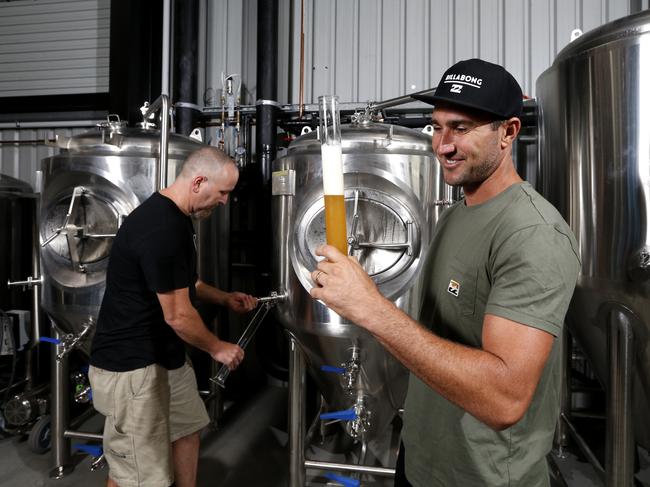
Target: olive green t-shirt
515 257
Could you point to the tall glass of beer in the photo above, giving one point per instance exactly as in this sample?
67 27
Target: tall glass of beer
332 156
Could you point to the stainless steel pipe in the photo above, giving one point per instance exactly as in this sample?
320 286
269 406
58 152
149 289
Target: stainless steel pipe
561 440
343 467
584 448
82 435
61 464
161 102
619 453
297 377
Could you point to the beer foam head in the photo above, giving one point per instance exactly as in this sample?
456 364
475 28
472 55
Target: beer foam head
332 156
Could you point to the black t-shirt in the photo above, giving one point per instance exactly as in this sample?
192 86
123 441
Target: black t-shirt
154 251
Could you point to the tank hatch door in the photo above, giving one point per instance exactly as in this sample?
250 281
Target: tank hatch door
383 235
82 234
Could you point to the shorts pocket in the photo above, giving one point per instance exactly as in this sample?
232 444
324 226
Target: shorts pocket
138 379
119 451
102 383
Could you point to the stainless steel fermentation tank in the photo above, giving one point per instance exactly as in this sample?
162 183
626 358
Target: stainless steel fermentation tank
393 193
18 216
96 180
595 167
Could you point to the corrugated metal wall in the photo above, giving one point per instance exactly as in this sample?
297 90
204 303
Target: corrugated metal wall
53 47
379 49
367 50
231 48
359 49
21 150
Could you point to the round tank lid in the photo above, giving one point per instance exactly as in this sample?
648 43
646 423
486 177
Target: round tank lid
119 140
626 27
13 185
368 137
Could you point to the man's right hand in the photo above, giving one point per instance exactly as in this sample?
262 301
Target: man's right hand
228 354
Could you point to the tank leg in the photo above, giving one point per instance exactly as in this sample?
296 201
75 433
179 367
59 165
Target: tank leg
60 414
619 457
296 415
561 439
33 364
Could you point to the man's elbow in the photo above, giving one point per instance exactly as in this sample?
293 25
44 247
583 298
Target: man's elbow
509 415
177 320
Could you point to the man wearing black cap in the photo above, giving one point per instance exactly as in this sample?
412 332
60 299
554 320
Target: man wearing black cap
483 394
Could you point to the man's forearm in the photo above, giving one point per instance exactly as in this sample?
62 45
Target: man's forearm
211 294
190 328
473 379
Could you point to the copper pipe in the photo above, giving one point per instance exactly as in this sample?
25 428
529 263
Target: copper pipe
302 59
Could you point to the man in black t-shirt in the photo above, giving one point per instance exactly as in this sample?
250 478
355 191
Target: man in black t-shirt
141 379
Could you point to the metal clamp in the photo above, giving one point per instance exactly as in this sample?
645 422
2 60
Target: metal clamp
357 418
352 368
273 103
359 426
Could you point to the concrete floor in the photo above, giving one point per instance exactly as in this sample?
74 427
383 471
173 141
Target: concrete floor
249 450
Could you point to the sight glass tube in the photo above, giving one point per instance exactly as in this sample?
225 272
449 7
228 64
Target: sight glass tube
332 156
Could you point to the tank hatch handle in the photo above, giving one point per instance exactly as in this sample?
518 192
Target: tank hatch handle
333 369
71 231
355 244
344 415
76 195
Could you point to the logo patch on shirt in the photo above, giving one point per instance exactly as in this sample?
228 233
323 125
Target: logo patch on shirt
453 288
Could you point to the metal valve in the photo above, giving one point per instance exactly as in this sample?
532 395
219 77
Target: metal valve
349 371
358 427
28 284
344 481
70 341
352 368
95 451
357 418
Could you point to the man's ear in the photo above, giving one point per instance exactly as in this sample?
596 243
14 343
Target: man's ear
196 183
512 126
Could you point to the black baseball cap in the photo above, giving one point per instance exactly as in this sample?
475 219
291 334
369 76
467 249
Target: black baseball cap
480 85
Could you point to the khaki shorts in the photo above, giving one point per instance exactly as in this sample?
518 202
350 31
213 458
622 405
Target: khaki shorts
146 410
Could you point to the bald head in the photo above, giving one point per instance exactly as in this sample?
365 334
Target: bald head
206 180
207 161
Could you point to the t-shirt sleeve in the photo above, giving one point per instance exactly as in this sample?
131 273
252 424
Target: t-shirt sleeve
534 272
165 261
